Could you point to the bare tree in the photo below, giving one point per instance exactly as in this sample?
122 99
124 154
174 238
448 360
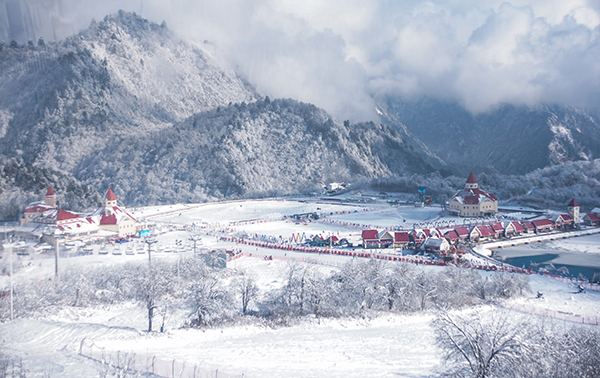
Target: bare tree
479 347
248 290
152 283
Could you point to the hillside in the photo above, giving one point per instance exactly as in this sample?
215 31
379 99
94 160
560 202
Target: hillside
260 149
510 139
128 104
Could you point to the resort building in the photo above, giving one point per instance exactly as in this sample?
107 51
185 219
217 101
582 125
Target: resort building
472 201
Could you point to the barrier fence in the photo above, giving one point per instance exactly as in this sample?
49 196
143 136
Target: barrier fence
151 366
554 314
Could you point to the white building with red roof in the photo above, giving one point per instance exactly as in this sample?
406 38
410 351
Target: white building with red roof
36 208
43 221
113 218
472 201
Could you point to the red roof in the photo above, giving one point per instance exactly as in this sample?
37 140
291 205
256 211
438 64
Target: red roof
485 230
566 218
401 237
573 203
473 196
472 179
37 209
593 217
497 227
369 234
452 235
50 192
108 219
529 225
542 223
518 227
64 215
462 232
110 196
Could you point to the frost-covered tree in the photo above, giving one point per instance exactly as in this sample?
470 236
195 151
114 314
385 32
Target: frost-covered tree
152 283
480 346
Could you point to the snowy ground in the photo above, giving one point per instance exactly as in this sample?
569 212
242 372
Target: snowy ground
387 346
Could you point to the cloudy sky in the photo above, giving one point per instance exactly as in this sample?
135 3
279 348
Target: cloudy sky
339 54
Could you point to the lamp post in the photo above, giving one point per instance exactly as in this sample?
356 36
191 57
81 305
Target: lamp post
150 240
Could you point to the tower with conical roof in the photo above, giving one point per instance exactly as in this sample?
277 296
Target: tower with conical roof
573 210
50 198
471 182
111 199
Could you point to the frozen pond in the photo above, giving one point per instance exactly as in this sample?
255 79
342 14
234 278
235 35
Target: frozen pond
579 255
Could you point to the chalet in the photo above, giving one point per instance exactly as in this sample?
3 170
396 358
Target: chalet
591 219
543 225
401 239
332 240
318 240
418 236
451 236
462 232
472 201
386 239
562 221
370 239
513 229
529 227
498 229
436 245
479 233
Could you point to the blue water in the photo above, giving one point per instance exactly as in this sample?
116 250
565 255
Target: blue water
576 263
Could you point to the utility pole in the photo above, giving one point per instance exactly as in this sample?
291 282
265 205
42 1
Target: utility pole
195 238
150 240
57 236
177 249
12 315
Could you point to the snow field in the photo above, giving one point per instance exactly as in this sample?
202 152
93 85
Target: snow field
391 345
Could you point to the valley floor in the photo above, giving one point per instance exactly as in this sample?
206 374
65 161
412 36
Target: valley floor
387 345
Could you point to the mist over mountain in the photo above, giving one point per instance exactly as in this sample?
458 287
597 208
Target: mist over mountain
126 103
509 139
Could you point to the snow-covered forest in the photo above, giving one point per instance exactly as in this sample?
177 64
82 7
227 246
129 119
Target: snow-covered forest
128 104
480 340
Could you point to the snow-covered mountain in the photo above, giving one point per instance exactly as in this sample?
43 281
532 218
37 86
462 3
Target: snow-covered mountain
127 103
510 139
258 149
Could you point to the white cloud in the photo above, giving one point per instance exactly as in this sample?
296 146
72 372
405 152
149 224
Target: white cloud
337 54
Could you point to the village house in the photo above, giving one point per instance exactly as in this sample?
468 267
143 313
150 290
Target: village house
562 221
386 239
543 225
591 219
513 229
401 239
370 239
436 245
